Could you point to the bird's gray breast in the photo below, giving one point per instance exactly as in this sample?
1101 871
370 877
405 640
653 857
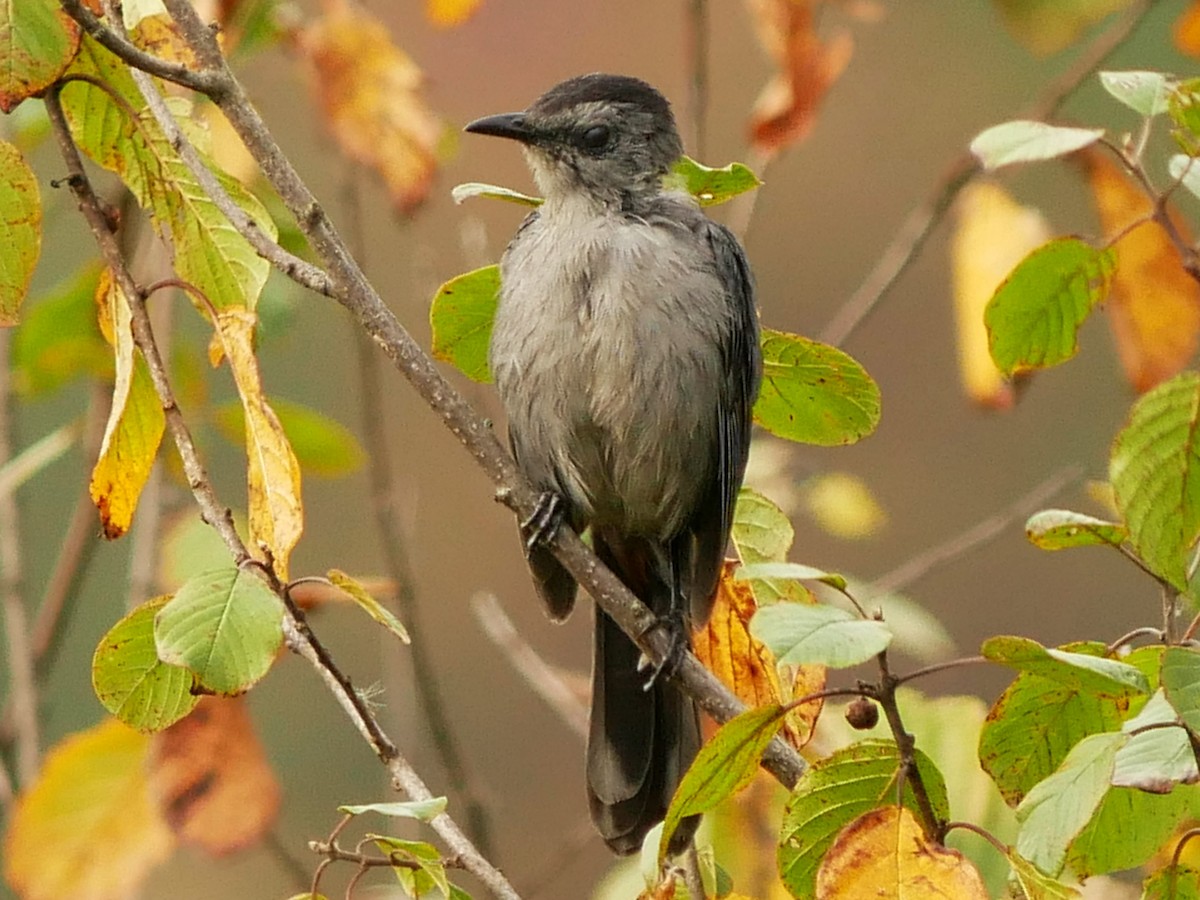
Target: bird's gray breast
606 354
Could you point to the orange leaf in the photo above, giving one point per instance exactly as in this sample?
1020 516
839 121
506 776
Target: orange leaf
135 422
744 664
370 91
786 109
1154 308
993 233
212 779
87 828
1187 30
448 13
884 854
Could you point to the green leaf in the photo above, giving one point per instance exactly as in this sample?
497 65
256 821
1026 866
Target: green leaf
794 571
59 340
1181 682
38 41
1056 810
1128 828
461 318
1023 141
1035 723
814 393
1047 26
1145 93
1173 883
1183 105
1036 884
1155 473
803 634
761 531
225 625
835 791
724 765
368 604
1058 529
1158 759
1185 170
416 882
323 445
710 186
20 229
1080 671
425 810
130 680
1033 318
464 192
208 251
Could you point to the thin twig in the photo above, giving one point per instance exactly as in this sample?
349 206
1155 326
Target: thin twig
885 696
941 667
296 632
1144 631
545 680
22 679
696 52
392 541
917 227
982 832
921 564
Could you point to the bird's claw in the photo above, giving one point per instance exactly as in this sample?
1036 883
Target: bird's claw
674 625
544 522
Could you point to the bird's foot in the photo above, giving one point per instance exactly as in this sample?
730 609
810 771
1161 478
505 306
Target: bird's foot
675 625
539 529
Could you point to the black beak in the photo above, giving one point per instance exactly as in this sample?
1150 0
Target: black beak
505 125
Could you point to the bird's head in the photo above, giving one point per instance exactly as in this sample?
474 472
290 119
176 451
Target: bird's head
610 137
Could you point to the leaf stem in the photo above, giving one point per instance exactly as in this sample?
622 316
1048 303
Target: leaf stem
940 667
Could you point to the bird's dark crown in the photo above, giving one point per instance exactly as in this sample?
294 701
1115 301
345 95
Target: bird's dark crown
601 87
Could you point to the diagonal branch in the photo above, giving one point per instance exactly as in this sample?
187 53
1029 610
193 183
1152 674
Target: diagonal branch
300 638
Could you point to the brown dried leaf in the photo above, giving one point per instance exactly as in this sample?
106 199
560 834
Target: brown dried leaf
1154 308
272 471
211 777
160 35
786 109
992 234
38 40
370 92
885 854
87 828
744 664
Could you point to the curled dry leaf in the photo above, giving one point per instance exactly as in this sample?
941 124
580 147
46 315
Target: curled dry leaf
787 107
211 778
370 92
1154 308
745 665
992 234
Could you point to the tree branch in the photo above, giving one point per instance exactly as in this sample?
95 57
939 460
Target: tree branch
352 290
299 638
22 679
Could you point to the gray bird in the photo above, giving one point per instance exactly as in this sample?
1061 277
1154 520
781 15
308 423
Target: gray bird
626 354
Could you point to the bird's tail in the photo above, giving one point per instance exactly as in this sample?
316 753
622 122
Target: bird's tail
640 741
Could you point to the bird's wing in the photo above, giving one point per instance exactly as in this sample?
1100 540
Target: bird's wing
742 358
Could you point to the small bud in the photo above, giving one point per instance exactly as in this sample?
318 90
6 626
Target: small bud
862 714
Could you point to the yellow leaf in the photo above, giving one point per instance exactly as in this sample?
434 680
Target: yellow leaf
135 422
370 91
843 505
210 775
1187 30
87 829
272 471
884 855
448 13
992 234
1154 308
807 67
744 664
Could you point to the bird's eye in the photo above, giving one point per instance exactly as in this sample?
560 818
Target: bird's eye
595 138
